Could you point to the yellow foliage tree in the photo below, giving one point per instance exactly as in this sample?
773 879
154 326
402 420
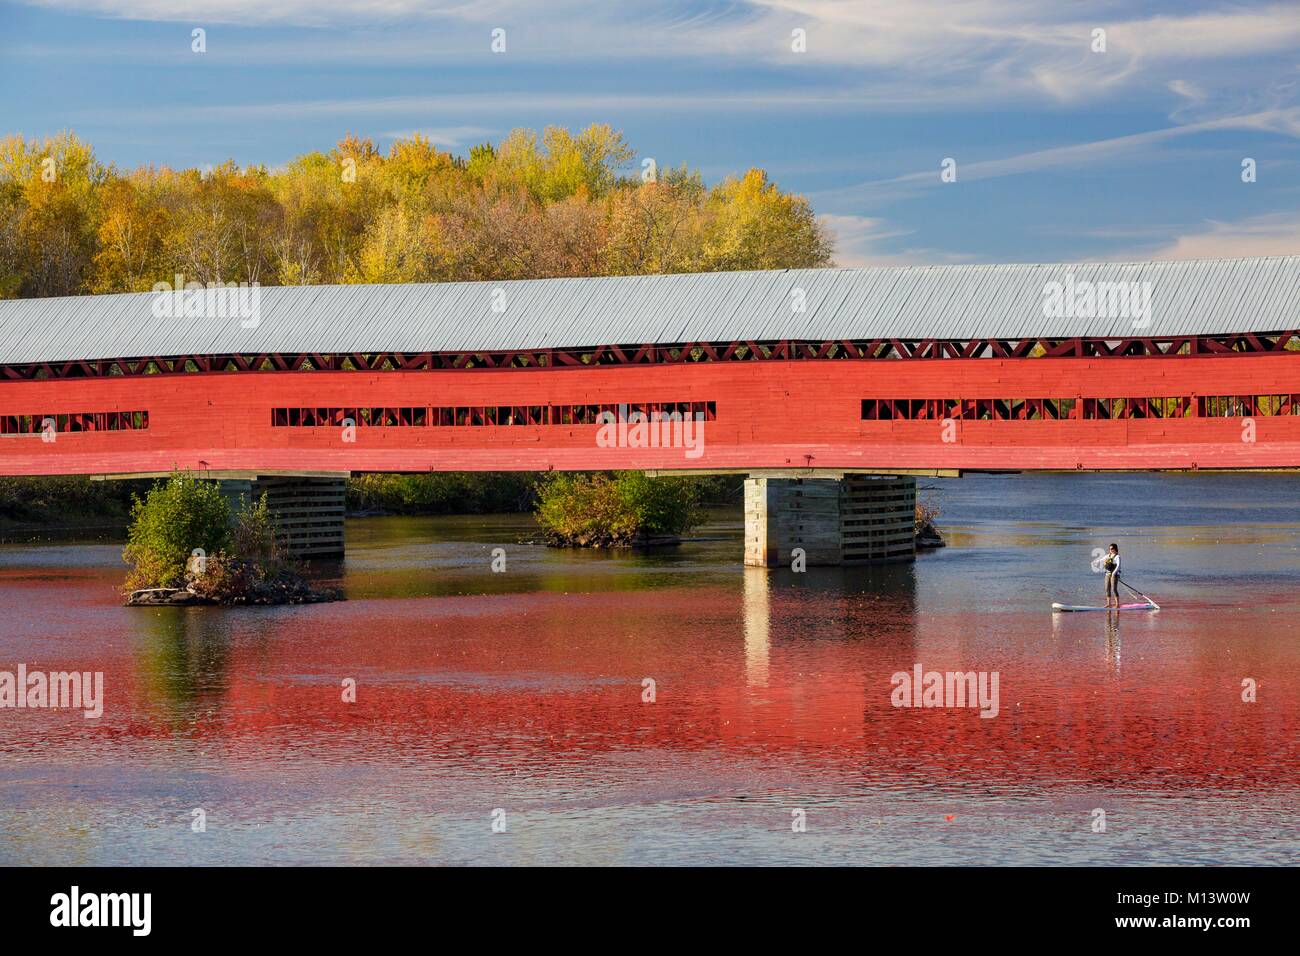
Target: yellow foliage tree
397 248
554 204
751 224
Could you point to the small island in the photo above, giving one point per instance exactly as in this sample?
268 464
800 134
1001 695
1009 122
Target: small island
619 509
629 509
185 547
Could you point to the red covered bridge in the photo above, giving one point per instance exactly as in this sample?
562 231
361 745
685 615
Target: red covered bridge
1133 366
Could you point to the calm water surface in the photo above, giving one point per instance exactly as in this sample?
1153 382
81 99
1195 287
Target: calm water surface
523 691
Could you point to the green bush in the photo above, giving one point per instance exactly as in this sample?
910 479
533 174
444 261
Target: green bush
253 539
601 509
177 516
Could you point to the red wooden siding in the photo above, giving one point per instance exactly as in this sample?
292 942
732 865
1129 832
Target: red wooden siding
770 414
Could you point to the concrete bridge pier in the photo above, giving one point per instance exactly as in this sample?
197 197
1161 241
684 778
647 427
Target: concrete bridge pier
308 511
854 519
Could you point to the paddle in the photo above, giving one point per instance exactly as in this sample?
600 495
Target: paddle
1138 593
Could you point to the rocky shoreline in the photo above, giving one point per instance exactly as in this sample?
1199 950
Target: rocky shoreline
270 593
928 537
183 597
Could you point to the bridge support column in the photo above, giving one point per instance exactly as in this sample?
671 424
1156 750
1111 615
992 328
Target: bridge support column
308 512
859 519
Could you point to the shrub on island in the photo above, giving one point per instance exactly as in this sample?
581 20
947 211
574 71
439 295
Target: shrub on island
618 509
177 517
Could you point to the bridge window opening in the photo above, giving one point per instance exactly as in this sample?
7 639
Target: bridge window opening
1091 409
75 422
479 416
1263 406
1104 408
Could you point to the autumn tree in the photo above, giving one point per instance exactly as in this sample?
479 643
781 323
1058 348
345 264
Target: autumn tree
751 224
529 206
11 241
133 225
223 230
398 247
51 186
656 228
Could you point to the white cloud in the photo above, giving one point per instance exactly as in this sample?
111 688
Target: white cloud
1274 234
1009 49
862 241
445 137
859 240
300 12
1188 90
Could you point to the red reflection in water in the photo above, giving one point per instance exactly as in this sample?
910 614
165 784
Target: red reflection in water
790 673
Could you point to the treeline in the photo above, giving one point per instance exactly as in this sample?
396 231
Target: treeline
484 492
65 501
441 493
529 206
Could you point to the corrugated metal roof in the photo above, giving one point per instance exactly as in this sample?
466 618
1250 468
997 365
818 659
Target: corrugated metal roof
1193 297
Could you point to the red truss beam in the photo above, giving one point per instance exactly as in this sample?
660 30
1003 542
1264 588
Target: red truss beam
685 353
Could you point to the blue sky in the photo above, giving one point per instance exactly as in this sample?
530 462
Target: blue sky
1062 153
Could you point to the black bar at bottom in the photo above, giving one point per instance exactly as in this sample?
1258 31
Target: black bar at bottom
969 906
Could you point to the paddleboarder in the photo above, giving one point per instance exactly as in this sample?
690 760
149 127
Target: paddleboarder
1110 564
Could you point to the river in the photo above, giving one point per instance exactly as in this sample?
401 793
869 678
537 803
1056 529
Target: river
520 698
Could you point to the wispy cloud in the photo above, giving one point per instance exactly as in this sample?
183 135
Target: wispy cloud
1011 50
865 241
495 102
1284 122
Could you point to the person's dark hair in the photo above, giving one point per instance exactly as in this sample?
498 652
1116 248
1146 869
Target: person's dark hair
1115 546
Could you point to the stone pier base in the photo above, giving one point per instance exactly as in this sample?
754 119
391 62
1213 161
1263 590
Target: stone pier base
858 519
308 512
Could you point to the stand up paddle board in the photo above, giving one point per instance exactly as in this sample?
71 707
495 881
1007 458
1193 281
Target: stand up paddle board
1122 607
